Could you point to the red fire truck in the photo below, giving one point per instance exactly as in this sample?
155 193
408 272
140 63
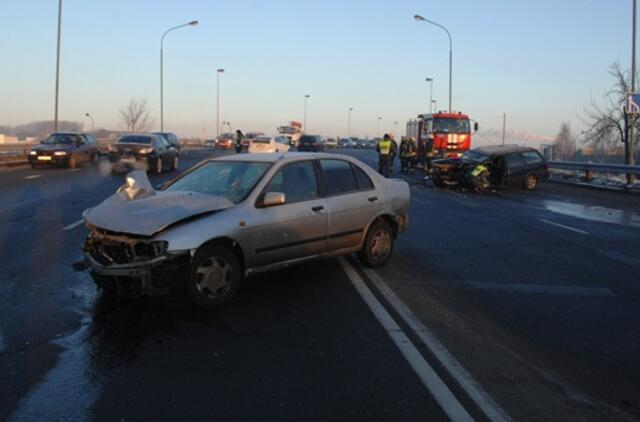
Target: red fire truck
450 134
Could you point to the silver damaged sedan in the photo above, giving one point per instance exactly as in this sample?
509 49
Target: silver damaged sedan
229 217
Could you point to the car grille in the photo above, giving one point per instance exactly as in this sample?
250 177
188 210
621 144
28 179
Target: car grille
108 250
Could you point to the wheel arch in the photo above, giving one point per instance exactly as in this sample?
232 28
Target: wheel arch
227 242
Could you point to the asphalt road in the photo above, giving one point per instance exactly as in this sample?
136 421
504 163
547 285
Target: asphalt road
534 294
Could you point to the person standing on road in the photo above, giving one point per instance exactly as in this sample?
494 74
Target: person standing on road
410 155
394 152
403 161
239 139
384 149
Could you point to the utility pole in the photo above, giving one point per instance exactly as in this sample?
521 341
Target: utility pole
349 122
218 102
55 113
630 158
306 97
504 126
430 80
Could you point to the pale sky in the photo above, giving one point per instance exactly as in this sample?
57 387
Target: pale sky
537 61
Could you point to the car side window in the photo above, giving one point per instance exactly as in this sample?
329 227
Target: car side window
297 181
338 176
532 157
514 161
363 181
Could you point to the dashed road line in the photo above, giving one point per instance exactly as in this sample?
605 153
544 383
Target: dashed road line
553 223
73 225
473 389
434 384
33 176
557 290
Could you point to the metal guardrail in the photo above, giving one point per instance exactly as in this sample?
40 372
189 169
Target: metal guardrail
590 168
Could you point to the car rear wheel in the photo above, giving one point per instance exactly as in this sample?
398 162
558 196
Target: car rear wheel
531 181
72 162
158 169
378 245
215 277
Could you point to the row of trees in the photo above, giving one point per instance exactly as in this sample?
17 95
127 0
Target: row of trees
606 122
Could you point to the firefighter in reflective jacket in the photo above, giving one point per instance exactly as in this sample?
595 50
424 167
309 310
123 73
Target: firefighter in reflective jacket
385 151
410 155
479 177
239 139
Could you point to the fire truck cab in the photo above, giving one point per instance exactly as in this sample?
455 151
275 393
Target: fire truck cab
448 135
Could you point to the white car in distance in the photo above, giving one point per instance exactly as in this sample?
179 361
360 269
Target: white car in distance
267 144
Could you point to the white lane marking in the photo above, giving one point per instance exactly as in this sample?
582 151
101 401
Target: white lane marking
542 289
73 225
438 389
75 169
480 397
33 176
553 223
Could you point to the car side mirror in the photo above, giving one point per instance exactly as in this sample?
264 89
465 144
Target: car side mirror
475 127
274 198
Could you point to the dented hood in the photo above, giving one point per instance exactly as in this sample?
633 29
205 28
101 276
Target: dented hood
138 209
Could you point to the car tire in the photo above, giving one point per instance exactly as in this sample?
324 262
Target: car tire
72 162
437 182
530 181
176 163
378 245
158 167
214 278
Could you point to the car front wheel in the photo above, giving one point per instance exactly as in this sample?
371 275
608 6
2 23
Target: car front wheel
158 169
378 245
176 163
215 277
72 162
531 181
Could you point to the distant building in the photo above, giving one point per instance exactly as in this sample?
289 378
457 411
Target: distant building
6 139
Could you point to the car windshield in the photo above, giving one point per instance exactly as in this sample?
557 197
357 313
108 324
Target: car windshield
231 179
475 156
450 125
135 140
61 138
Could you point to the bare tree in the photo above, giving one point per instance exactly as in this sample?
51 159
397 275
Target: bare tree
565 143
607 122
135 117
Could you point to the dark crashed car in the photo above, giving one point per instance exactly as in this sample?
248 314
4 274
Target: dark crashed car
143 151
509 166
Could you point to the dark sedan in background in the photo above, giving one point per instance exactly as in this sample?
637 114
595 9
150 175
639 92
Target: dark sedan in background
143 151
65 149
509 166
311 143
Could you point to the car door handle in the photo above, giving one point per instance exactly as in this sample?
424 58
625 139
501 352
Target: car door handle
317 208
373 199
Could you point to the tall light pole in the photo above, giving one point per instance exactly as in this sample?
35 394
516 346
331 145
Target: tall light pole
378 131
395 128
93 127
306 97
192 23
430 80
435 105
420 18
55 113
630 159
220 71
349 122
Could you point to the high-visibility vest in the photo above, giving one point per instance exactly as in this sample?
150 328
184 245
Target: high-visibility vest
385 146
480 168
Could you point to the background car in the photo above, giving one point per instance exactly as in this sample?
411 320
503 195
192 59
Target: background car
65 149
143 151
171 139
298 207
248 137
331 143
225 141
263 144
311 143
510 166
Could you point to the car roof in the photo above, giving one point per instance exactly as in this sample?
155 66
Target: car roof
274 157
492 150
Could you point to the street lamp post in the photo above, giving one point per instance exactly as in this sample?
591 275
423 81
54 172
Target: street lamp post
93 127
420 18
430 80
378 131
349 122
192 23
306 97
435 105
630 159
55 113
395 128
218 101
